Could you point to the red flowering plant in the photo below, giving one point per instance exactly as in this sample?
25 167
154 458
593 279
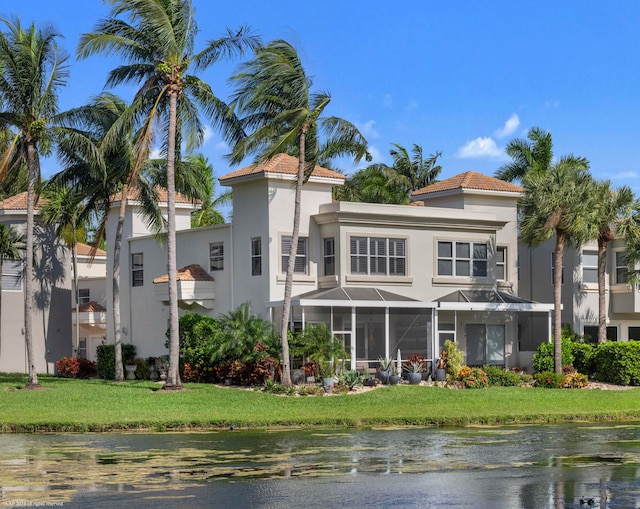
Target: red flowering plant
473 378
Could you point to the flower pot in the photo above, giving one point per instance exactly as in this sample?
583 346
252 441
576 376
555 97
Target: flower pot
384 376
131 371
414 378
394 379
441 374
327 384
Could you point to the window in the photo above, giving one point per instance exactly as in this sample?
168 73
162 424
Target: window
137 270
82 348
256 256
622 270
591 333
300 266
589 266
634 333
462 259
553 269
378 256
84 296
501 263
329 254
12 276
216 256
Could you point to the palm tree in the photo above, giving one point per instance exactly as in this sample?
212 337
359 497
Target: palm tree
533 156
557 202
613 212
11 243
156 39
32 70
274 97
414 172
373 184
64 208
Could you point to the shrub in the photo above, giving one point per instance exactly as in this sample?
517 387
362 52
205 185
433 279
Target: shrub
574 381
351 379
618 362
473 378
107 359
67 367
455 358
500 377
583 355
548 380
543 359
86 368
143 372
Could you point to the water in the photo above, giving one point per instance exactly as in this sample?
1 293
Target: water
566 466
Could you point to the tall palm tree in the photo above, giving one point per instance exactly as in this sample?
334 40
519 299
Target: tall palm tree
612 214
32 71
414 171
11 243
274 97
64 208
156 39
209 211
557 202
533 155
373 184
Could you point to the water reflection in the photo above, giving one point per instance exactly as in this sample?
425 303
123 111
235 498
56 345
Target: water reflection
516 467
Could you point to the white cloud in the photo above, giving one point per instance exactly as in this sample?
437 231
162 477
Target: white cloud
208 134
623 175
155 153
413 105
479 148
551 104
387 102
509 127
376 155
368 129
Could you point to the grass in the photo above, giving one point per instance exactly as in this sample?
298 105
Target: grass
98 405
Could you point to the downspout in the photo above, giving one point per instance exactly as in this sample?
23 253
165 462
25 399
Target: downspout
233 268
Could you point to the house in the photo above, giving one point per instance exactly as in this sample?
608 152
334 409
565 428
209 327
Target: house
382 277
52 299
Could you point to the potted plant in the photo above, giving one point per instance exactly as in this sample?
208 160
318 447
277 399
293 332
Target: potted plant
414 373
384 371
441 367
130 366
325 372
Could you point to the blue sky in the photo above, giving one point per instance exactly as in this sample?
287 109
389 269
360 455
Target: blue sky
461 77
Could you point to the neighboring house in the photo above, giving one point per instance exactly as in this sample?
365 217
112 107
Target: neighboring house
580 288
92 293
52 298
382 277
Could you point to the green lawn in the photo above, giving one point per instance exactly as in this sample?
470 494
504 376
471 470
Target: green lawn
96 405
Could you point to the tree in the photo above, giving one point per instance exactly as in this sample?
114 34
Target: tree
64 208
11 243
156 39
612 213
534 156
380 183
32 70
273 96
557 202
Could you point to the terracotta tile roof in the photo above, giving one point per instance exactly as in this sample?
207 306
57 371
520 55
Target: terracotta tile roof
85 250
192 272
90 307
282 164
134 193
19 202
470 180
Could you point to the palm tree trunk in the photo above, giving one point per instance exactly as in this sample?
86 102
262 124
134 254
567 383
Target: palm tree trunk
288 285
32 163
115 281
173 375
602 310
557 302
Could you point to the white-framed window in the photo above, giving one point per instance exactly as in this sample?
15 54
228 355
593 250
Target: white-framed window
301 266
12 276
378 256
137 269
216 256
462 259
84 296
329 256
622 269
501 263
590 333
553 269
589 266
256 256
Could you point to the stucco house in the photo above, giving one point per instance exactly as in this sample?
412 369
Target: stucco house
52 299
382 277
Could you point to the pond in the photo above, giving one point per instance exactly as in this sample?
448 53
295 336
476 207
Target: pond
560 466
